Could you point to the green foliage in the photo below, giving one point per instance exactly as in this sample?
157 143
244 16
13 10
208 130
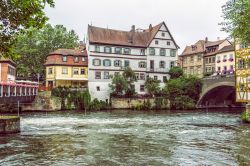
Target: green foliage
183 92
80 99
32 47
62 93
146 105
97 105
152 86
245 116
130 77
237 16
18 15
175 72
138 106
119 85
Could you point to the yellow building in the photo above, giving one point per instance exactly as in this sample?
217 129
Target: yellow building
67 67
242 54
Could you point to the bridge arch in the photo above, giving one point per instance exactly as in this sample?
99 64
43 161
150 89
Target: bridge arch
219 94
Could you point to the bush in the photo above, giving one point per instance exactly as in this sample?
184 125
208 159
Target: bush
245 116
146 105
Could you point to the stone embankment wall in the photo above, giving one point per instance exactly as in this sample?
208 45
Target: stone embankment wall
9 124
43 102
126 103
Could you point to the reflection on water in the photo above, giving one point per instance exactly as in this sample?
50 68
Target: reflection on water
128 138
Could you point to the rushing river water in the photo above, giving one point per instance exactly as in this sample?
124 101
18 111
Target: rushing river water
128 138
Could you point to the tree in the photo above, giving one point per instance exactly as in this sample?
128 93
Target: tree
62 93
175 72
237 19
32 47
130 77
18 15
183 92
152 86
119 85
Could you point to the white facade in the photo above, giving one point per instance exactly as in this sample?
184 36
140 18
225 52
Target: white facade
141 59
225 62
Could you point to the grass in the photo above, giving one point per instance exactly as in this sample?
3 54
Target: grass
8 117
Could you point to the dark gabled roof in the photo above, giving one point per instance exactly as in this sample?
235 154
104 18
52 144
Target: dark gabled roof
81 51
123 38
226 49
199 48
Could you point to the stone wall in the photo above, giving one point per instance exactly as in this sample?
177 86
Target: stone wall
126 103
43 102
9 124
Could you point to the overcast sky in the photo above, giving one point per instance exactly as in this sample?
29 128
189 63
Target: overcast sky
187 20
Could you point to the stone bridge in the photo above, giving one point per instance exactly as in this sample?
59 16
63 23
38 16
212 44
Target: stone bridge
218 92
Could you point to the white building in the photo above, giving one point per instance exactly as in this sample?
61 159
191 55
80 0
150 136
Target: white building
225 60
150 53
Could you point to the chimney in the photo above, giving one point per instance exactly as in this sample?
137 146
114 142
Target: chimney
132 28
150 27
206 39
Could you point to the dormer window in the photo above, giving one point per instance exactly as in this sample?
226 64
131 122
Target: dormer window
194 47
156 42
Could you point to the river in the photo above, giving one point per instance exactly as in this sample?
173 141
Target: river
128 138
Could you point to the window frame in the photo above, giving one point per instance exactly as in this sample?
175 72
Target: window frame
142 66
127 53
66 58
151 51
76 59
164 52
50 70
173 52
97 48
93 62
82 69
106 75
98 73
120 62
128 62
63 70
118 52
74 70
160 64
106 60
107 47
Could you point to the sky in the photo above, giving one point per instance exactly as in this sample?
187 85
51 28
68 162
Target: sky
187 20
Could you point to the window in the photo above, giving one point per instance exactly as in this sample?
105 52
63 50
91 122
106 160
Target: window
107 49
155 77
96 62
127 51
192 59
142 76
213 59
76 59
50 71
97 75
142 65
206 60
117 63
142 88
65 70
165 78
97 48
163 34
82 71
194 47
117 73
241 64
231 56
98 88
225 68
162 64
231 67
106 75
162 52
198 57
64 58
168 43
75 71
192 70
118 50
151 51
219 68
142 51
83 59
106 62
137 76
156 42
11 71
224 57
172 64
173 53
126 63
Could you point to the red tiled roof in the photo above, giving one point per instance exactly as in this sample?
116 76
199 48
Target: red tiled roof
124 38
